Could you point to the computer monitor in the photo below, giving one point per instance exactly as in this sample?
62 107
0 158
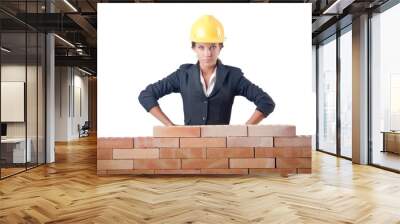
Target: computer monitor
3 129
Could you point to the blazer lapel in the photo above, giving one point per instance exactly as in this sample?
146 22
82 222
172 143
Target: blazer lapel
196 83
221 75
195 79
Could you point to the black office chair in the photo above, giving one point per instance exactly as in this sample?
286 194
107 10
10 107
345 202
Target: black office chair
84 130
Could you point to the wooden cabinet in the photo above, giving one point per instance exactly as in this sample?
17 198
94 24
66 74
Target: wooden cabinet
391 142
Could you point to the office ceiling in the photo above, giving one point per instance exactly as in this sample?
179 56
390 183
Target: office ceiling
76 22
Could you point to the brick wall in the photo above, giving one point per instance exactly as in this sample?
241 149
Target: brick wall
211 149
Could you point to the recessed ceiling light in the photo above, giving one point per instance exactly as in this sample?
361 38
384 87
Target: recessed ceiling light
338 6
70 5
5 50
84 71
64 40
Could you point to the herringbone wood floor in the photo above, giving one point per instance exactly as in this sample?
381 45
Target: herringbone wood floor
70 192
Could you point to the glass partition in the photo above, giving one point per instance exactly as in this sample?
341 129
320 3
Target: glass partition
346 93
385 89
327 95
13 104
22 67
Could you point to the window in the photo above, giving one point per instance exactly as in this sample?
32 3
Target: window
346 93
385 89
327 96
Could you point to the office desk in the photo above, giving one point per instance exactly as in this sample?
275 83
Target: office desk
391 141
13 150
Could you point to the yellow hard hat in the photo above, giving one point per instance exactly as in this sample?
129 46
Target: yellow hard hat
207 29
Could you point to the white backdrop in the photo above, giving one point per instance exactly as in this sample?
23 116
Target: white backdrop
139 44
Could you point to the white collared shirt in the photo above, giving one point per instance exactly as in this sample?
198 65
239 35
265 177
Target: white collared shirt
211 84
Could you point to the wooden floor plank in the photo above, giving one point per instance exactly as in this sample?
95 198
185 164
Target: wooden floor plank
69 191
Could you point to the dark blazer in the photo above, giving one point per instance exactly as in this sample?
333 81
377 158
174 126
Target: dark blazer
202 110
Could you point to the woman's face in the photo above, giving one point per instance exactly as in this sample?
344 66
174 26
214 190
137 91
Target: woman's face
207 53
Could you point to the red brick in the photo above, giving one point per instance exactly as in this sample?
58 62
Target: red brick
230 153
136 153
292 152
157 164
114 164
104 154
137 172
204 163
271 130
252 163
225 171
182 153
304 170
249 141
111 143
264 152
272 170
150 142
202 142
176 131
177 171
296 141
223 130
293 162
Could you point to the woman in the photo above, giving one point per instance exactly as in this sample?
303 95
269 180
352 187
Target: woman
209 87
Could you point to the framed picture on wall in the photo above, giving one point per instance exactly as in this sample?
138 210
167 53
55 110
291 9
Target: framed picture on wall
12 101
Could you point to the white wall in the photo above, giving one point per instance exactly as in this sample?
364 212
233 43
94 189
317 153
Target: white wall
61 103
139 44
80 83
67 85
